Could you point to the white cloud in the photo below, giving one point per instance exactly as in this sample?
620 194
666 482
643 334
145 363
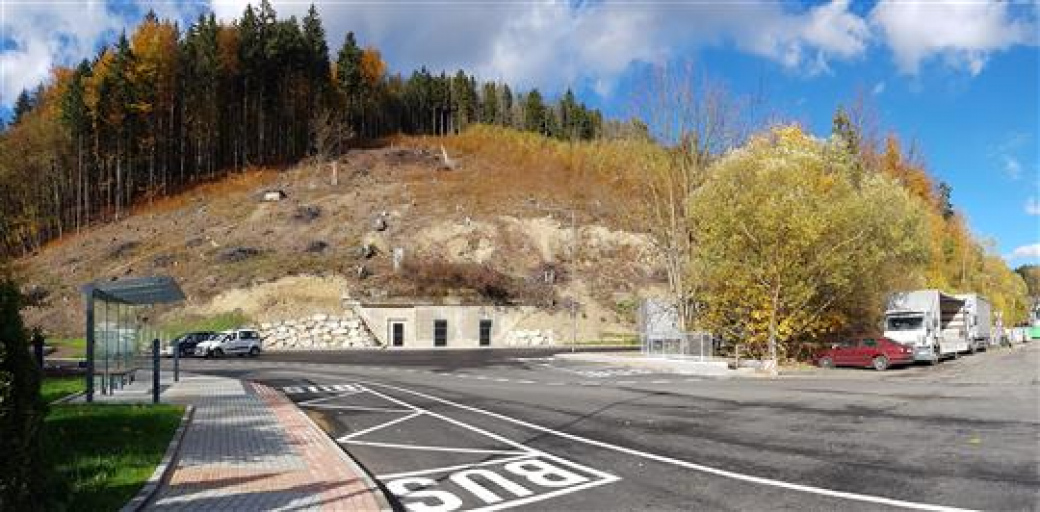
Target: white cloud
554 44
878 88
1025 252
1032 206
964 33
52 33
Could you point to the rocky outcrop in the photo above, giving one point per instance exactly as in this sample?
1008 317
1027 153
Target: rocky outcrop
318 332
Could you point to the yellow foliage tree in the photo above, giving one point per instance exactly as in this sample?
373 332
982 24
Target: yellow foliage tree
788 249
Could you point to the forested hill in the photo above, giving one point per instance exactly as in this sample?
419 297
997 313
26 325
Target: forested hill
164 108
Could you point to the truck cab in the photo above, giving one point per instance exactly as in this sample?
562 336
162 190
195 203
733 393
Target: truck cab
913 329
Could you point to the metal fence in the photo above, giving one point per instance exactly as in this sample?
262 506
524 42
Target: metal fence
698 346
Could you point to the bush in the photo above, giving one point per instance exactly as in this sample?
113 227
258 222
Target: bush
440 278
22 474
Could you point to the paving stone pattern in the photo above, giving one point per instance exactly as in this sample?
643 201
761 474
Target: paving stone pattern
248 448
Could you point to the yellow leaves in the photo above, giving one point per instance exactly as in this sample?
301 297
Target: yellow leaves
372 66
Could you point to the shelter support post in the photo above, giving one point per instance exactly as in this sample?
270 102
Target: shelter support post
90 346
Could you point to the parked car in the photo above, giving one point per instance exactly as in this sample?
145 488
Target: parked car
187 343
238 341
875 352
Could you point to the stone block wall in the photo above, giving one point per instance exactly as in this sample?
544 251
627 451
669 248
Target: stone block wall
316 332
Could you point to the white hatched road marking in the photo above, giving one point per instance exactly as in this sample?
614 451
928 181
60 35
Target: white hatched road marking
865 498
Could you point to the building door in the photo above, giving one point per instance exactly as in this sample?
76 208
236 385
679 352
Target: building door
485 333
440 333
397 334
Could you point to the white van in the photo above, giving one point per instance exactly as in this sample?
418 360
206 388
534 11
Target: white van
237 341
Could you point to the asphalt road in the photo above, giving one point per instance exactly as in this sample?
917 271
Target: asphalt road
493 429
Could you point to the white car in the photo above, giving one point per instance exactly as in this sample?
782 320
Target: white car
238 341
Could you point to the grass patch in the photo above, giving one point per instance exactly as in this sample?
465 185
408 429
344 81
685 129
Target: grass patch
69 347
221 322
54 388
103 454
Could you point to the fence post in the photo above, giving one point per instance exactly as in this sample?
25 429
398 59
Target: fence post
176 362
155 370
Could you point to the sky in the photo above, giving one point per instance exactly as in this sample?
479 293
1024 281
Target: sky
961 79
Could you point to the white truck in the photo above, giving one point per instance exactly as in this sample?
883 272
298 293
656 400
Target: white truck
979 317
931 322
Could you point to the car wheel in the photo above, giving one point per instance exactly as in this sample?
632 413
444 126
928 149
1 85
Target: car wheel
253 352
880 363
826 362
218 352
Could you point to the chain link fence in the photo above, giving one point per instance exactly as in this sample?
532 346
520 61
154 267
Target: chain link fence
699 346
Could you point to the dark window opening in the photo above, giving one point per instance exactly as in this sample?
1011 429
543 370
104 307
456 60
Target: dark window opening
485 333
397 334
440 333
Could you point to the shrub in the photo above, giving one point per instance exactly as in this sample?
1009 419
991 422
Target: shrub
22 474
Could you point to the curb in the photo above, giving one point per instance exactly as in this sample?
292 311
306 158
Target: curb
164 469
68 398
369 481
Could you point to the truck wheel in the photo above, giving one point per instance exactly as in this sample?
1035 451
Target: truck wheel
880 363
826 362
253 352
218 353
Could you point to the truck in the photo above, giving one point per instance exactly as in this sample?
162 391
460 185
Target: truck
979 318
930 322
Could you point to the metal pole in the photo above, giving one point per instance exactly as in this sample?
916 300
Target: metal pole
105 384
574 303
90 345
176 362
155 370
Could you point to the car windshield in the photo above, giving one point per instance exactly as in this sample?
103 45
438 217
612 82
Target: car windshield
904 323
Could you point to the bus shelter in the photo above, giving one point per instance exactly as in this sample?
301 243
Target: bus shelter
116 336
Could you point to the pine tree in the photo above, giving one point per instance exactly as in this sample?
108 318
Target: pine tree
22 106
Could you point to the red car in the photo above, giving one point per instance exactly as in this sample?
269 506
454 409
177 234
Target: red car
867 351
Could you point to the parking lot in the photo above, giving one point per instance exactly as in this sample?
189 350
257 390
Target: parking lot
491 430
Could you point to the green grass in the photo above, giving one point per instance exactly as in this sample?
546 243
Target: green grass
54 388
69 347
220 322
103 453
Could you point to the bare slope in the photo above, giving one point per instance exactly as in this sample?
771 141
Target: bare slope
488 224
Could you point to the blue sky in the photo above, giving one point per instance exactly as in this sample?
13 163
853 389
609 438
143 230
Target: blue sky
961 78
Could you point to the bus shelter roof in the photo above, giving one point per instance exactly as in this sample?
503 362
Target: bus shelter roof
137 291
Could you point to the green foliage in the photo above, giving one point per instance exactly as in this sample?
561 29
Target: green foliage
54 388
22 474
1031 276
221 322
103 454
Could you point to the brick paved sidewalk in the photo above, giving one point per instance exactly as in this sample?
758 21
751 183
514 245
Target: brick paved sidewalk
249 448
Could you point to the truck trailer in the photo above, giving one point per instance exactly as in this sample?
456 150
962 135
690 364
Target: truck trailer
979 318
931 322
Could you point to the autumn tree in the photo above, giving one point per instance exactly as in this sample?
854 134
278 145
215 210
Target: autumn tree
786 241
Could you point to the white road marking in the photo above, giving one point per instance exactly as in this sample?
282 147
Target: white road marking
377 427
313 401
660 458
435 448
453 468
660 382
355 408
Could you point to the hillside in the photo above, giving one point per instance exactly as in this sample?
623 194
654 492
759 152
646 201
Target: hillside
483 231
